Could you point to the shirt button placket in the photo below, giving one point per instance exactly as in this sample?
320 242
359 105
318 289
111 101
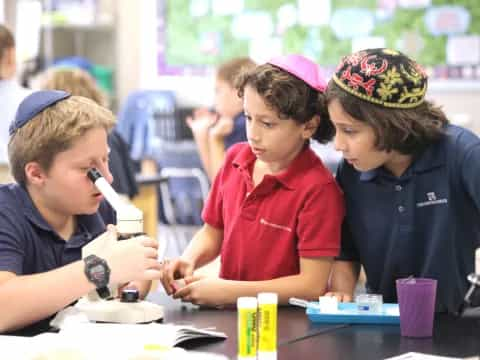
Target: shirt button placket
399 188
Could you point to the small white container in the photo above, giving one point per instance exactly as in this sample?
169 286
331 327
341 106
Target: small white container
328 304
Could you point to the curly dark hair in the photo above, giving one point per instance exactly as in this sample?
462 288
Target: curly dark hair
408 131
289 96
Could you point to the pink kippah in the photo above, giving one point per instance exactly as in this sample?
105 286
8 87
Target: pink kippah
302 68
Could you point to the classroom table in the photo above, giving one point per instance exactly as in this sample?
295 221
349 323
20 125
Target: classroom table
298 338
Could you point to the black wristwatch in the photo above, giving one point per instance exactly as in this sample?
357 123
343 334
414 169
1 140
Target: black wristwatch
98 273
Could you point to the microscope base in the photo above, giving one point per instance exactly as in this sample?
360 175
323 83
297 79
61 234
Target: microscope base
115 311
473 312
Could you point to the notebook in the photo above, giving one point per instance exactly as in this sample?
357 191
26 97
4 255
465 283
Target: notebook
91 341
147 335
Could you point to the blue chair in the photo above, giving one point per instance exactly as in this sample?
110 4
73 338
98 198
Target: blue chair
145 116
148 122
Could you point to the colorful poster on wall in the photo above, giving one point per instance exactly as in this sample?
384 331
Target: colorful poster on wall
196 35
447 20
414 4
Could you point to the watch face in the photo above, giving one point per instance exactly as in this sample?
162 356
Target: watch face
97 272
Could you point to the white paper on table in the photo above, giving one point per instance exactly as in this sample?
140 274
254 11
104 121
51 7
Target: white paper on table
421 356
14 347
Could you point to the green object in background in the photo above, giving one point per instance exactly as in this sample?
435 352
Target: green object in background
104 77
183 47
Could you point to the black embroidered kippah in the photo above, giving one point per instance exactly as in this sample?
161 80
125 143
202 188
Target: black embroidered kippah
33 104
384 77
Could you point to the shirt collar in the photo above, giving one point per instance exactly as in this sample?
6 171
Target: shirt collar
432 157
239 116
368 175
288 178
29 209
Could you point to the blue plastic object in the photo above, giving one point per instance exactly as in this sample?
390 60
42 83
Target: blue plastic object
348 314
145 117
74 62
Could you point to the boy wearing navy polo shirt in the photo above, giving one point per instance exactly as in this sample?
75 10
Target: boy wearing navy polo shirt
274 212
215 133
54 210
411 181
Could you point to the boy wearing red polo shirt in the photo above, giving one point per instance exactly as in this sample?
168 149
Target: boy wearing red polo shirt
274 212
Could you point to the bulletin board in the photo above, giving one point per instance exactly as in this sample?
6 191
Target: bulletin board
442 35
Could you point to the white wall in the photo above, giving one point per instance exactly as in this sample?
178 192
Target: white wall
460 100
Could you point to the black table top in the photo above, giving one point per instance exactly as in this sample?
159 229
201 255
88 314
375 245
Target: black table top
453 336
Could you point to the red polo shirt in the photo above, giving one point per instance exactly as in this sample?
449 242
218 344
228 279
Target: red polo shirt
267 228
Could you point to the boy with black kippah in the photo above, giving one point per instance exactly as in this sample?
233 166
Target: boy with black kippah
54 210
411 181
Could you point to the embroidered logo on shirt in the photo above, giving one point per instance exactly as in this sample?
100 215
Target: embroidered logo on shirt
277 226
432 200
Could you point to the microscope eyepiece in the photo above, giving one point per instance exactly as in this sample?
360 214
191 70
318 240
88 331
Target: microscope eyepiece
93 174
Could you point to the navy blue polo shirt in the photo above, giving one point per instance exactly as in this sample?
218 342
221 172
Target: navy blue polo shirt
239 132
28 244
425 223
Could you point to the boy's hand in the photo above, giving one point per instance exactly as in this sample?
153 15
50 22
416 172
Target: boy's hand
201 121
173 270
134 259
209 291
222 128
341 297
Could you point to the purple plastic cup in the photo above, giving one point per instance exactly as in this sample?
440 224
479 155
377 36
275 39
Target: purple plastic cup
416 300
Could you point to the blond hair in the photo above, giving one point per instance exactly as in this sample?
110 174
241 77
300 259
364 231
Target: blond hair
53 131
6 39
75 81
229 70
7 42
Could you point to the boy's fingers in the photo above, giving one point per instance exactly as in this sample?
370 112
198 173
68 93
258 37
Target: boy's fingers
154 264
168 279
111 231
192 278
152 253
148 241
152 274
182 293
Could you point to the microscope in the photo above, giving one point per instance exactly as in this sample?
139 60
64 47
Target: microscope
471 301
126 308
